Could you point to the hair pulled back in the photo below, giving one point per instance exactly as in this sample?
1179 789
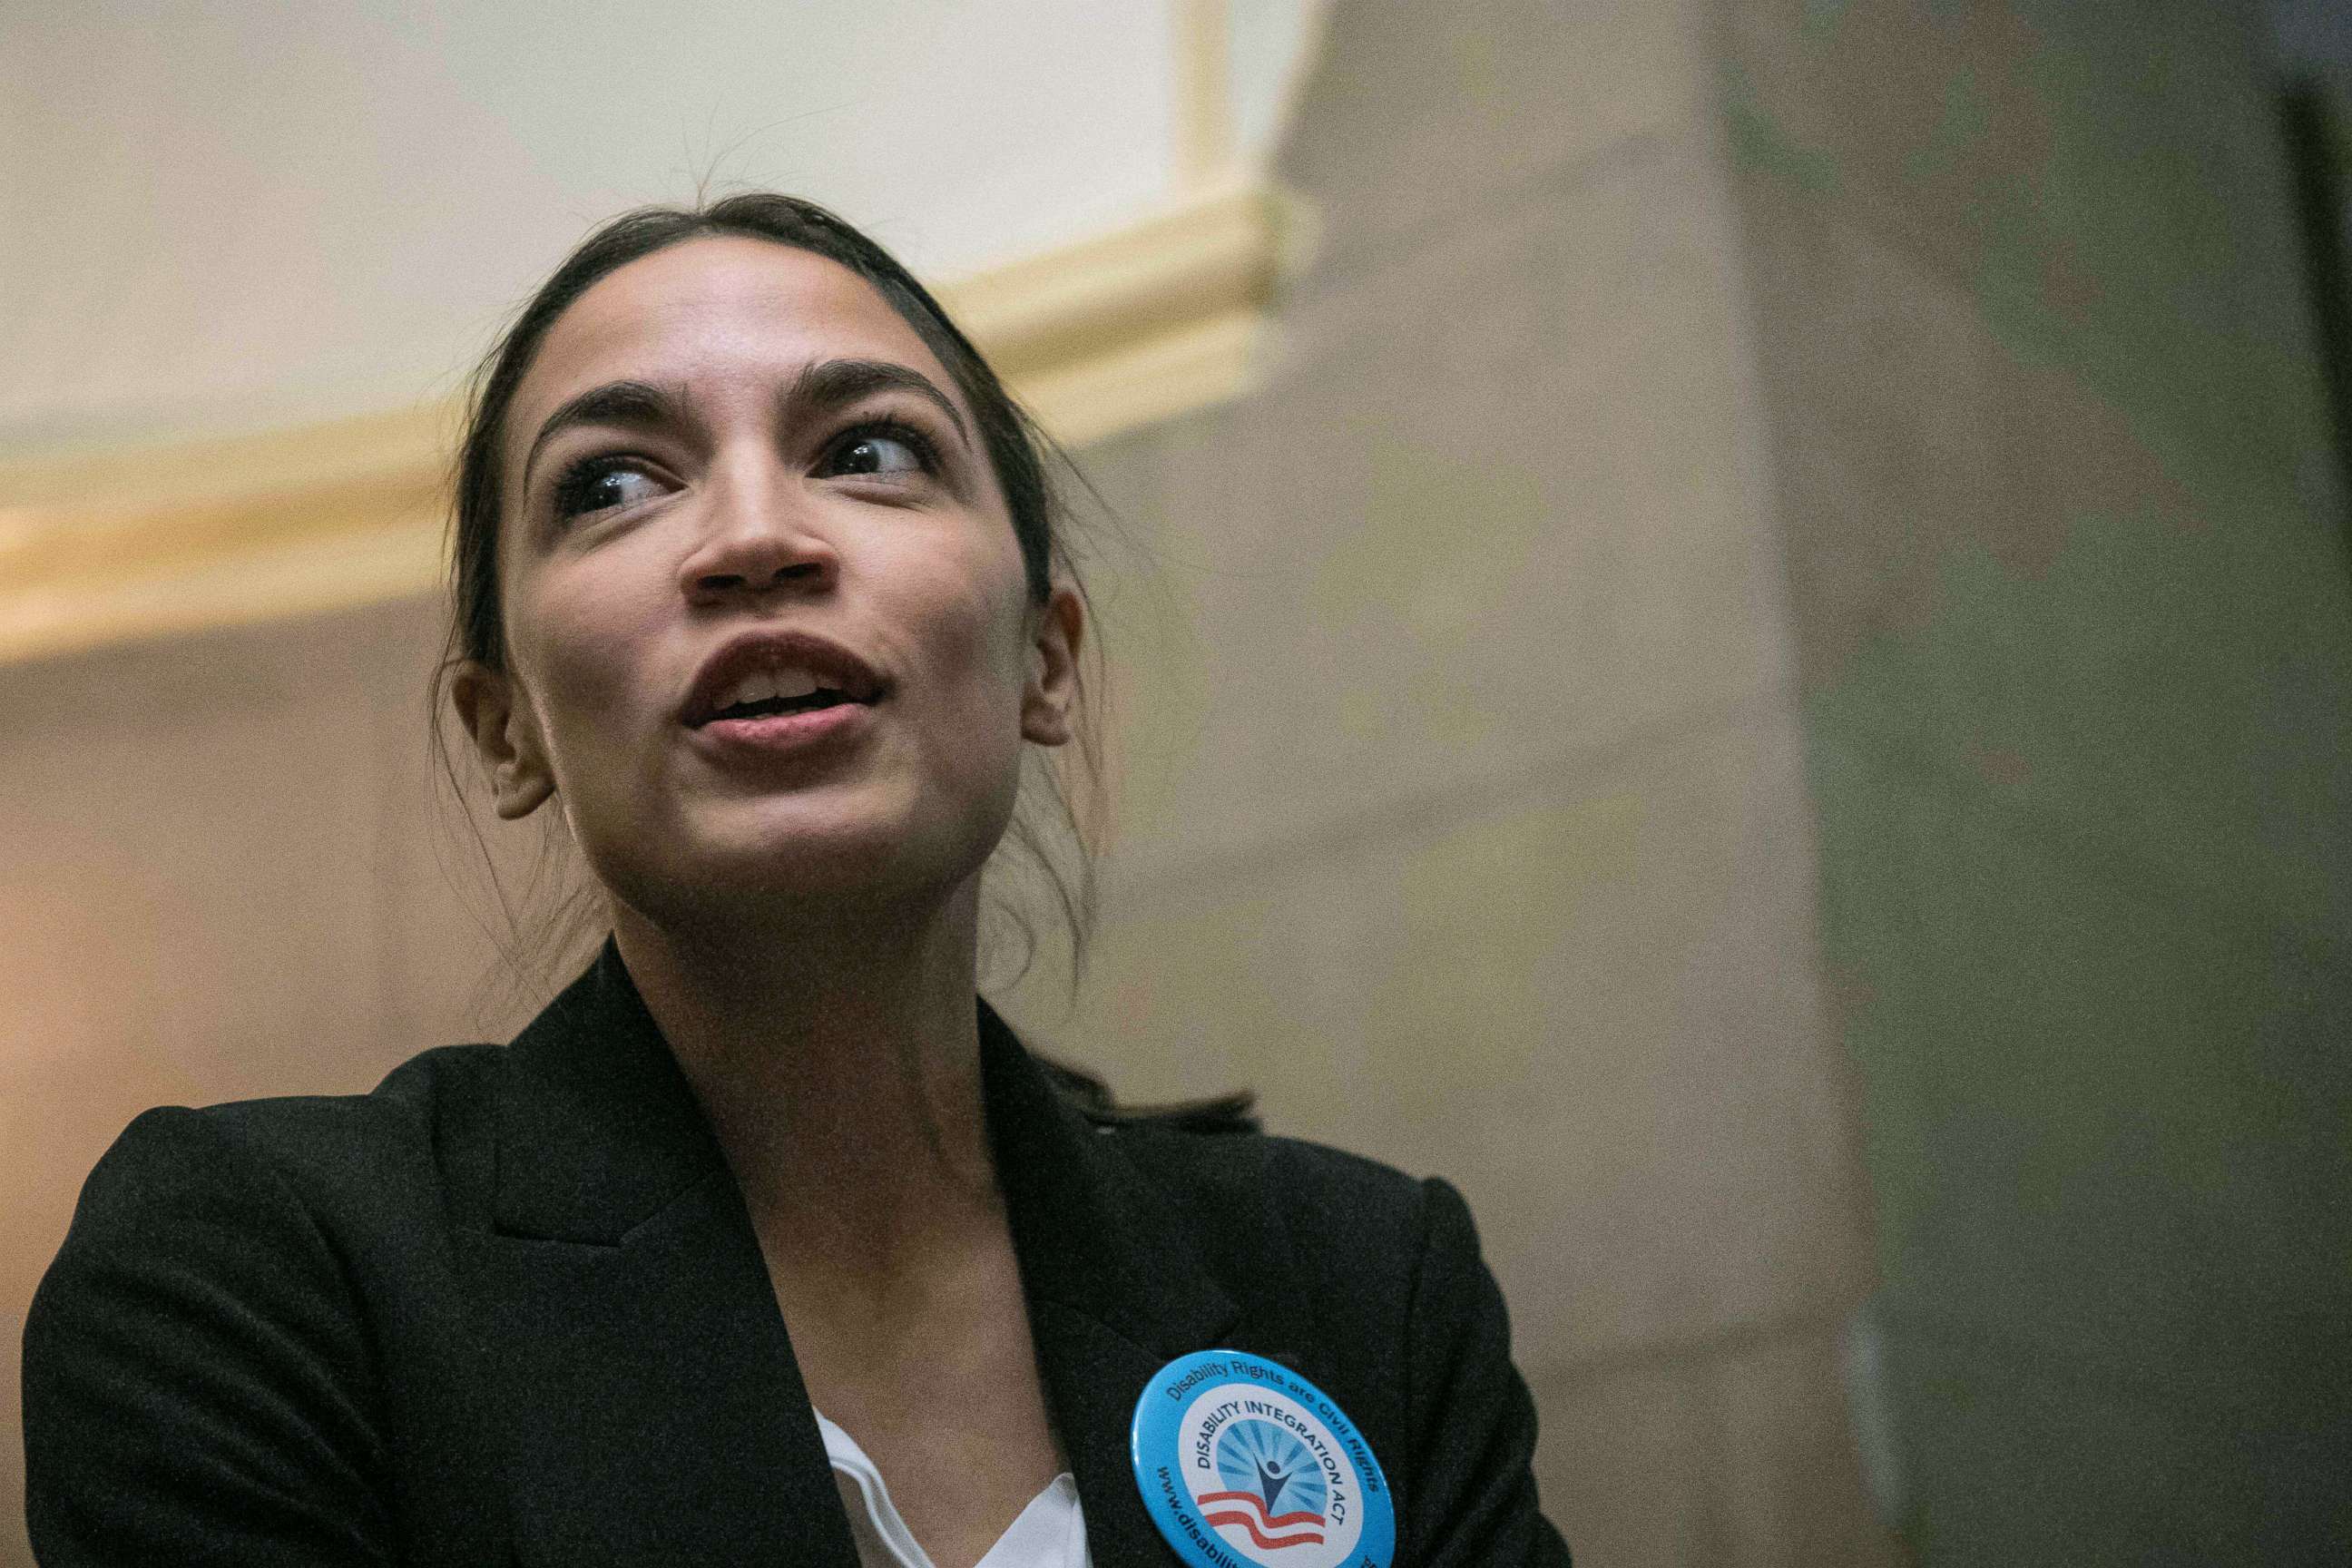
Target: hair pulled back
1017 451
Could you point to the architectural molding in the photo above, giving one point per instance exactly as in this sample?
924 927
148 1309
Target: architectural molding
1095 338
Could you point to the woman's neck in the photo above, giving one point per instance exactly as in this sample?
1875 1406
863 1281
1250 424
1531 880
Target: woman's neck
840 1070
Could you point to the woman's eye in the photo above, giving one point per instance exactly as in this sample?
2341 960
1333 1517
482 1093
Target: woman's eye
602 484
878 452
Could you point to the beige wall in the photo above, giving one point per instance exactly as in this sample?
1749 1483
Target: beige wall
1466 815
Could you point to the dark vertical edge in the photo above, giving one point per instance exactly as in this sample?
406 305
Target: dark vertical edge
2316 119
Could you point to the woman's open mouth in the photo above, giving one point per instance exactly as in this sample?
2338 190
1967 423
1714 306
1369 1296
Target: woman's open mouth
777 690
769 705
768 710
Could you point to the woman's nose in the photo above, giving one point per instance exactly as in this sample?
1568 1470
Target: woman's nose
762 536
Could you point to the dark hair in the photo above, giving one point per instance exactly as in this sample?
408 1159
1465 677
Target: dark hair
1021 454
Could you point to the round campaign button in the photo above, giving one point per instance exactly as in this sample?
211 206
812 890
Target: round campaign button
1243 1463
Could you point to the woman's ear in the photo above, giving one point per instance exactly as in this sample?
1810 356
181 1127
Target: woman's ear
1046 703
506 738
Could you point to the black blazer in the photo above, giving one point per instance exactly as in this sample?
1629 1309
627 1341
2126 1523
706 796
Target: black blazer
508 1308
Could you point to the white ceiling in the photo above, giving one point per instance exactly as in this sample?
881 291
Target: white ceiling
229 214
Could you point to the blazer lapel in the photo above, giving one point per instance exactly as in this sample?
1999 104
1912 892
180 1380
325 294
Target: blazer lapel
1116 1288
637 1358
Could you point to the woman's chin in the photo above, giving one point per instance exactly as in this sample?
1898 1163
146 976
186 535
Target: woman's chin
797 865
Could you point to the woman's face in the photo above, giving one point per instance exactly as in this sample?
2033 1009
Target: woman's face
767 627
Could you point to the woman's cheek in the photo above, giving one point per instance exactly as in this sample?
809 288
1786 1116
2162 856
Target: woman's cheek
600 646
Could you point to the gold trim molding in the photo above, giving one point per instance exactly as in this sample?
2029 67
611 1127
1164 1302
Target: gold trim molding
1095 338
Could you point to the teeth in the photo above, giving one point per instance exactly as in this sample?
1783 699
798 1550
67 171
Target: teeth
752 687
762 684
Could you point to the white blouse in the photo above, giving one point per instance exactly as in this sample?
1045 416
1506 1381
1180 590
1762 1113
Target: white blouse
1050 1533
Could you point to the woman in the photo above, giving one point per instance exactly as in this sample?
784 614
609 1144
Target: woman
758 582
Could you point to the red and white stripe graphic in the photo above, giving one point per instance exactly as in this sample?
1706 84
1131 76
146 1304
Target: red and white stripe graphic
1247 1511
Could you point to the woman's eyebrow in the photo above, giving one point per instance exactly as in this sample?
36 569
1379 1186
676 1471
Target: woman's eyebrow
637 403
829 383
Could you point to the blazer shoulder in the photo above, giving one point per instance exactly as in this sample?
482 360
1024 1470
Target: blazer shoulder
410 1102
421 1129
207 1359
1291 1172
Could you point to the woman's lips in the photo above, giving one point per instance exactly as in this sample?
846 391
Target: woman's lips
778 735
784 653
